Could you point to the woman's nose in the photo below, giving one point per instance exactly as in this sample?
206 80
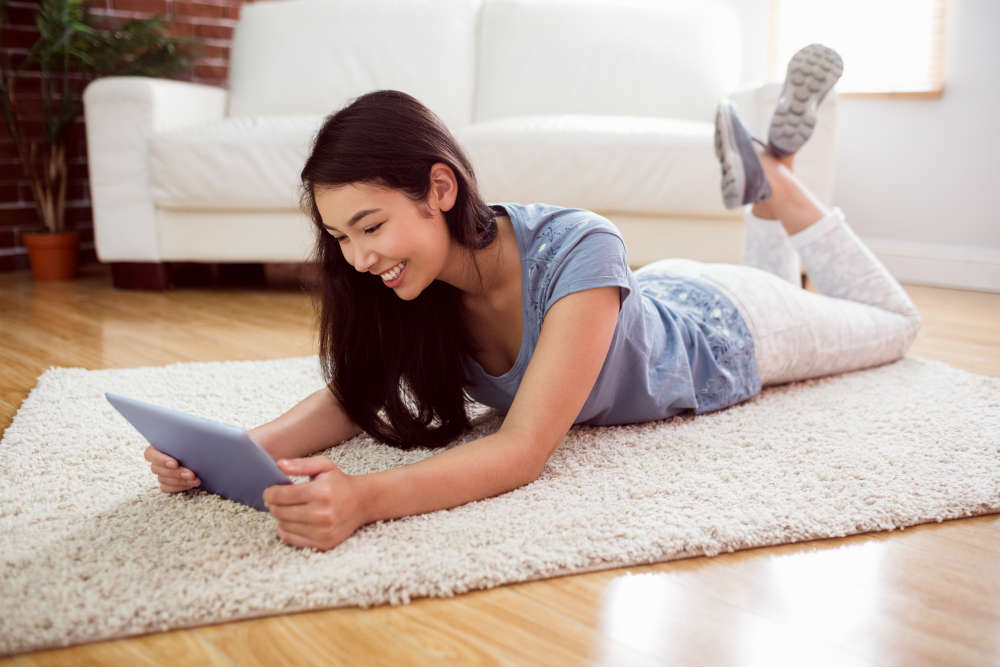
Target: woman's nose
364 260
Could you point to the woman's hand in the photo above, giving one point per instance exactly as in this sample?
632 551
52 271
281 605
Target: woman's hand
320 513
172 477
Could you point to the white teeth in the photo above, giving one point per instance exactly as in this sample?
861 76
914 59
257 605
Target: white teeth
392 273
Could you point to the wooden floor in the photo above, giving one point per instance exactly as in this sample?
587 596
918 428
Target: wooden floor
926 595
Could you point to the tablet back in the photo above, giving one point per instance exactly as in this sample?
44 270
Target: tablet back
226 459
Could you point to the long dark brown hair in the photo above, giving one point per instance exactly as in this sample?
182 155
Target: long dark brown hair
394 365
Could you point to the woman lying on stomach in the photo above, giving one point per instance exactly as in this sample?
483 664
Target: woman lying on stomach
432 299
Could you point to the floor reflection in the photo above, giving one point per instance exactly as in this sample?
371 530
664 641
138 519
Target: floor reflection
810 607
833 587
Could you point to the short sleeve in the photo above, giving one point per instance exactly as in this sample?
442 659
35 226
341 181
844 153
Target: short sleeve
598 259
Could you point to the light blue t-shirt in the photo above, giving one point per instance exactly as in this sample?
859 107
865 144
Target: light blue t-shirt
680 344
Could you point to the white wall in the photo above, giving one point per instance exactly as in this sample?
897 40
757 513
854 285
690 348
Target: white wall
919 180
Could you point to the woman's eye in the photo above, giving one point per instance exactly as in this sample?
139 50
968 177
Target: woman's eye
370 229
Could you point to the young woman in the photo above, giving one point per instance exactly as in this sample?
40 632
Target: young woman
432 298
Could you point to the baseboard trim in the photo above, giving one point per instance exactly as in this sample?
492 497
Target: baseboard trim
962 267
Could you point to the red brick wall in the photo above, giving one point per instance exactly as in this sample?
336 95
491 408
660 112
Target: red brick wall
212 21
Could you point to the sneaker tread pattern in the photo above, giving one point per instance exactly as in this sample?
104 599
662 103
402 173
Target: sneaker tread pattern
811 74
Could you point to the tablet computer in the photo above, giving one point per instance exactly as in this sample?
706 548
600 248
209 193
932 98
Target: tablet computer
225 458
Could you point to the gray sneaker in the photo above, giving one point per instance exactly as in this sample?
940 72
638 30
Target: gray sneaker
812 71
743 179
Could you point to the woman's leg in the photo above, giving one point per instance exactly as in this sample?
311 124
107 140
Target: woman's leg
766 243
838 263
862 316
766 246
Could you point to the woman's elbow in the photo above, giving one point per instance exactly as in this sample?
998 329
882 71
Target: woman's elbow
530 474
532 462
527 457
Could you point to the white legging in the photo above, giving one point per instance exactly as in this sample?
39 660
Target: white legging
861 318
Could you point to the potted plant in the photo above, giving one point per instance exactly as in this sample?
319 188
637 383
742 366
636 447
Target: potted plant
70 41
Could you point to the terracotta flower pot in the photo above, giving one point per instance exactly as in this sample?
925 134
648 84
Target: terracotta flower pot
52 256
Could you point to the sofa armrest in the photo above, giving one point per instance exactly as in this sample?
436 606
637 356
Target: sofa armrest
815 163
121 114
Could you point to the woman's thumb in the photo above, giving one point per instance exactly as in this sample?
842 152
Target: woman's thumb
314 465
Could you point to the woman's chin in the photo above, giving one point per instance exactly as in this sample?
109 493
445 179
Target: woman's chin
409 290
406 291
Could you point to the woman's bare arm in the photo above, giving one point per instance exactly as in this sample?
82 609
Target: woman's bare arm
315 423
573 345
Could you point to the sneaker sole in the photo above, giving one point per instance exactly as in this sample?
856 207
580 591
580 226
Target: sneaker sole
733 176
811 74
734 149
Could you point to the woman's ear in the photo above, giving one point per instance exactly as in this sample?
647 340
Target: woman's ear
444 186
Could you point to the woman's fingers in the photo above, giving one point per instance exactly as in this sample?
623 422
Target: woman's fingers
169 488
186 479
153 455
171 475
178 473
170 484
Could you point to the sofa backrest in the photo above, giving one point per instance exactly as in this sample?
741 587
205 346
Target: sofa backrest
314 56
472 60
667 58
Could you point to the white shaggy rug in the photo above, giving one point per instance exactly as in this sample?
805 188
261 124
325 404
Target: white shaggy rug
93 550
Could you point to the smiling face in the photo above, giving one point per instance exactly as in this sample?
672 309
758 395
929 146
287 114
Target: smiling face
388 228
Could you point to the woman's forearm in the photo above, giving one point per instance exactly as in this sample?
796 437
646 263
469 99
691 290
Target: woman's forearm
315 423
478 469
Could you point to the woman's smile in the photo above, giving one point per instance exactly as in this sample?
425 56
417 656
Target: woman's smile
394 276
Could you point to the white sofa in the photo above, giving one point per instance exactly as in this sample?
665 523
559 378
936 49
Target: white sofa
605 105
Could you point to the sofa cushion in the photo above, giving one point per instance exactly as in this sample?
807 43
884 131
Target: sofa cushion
640 57
243 163
314 56
601 163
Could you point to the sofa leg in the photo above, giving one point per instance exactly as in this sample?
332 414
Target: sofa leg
168 275
297 276
140 275
242 274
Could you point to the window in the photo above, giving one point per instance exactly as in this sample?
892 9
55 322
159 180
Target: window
889 47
